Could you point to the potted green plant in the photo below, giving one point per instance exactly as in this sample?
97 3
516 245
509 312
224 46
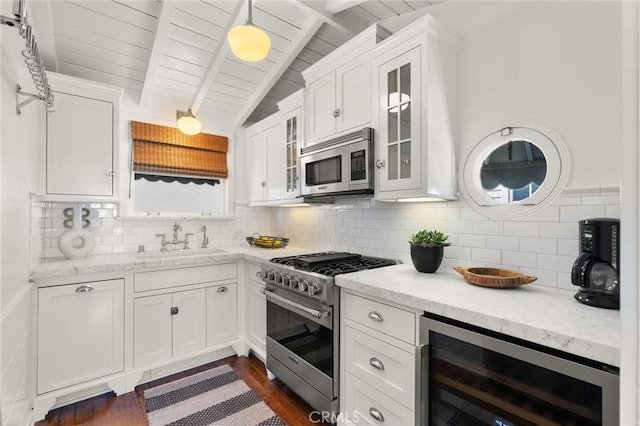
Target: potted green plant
427 249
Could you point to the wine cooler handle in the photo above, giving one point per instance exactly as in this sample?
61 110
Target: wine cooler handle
422 385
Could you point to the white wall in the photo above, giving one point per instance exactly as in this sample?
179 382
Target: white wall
22 140
557 63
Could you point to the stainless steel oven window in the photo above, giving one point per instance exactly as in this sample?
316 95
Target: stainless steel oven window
302 333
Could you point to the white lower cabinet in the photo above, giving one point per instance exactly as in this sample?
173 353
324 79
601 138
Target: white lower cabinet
222 314
378 358
256 311
174 324
80 333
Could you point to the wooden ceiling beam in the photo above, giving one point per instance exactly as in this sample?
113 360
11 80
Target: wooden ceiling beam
164 20
218 58
336 6
316 8
307 31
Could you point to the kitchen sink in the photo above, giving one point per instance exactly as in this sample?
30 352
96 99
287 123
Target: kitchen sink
179 253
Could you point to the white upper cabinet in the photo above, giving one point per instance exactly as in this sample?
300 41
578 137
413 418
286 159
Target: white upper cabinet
81 148
274 145
266 156
291 108
414 87
337 93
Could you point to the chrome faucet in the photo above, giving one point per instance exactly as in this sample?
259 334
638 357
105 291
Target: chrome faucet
176 228
205 239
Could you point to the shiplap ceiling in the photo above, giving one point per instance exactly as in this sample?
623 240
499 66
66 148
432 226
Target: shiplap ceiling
177 50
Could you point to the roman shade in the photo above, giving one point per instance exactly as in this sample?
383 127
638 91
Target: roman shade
161 150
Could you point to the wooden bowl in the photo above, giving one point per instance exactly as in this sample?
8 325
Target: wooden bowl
494 277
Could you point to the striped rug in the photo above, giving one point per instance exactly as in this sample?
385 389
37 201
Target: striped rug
213 397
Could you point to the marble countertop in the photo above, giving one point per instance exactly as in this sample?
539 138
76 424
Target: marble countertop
62 267
543 315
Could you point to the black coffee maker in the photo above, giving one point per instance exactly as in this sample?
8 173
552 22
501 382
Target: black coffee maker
597 269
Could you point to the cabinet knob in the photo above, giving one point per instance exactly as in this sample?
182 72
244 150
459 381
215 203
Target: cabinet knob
222 290
110 173
263 184
84 288
376 414
259 274
377 364
336 112
379 164
173 310
376 316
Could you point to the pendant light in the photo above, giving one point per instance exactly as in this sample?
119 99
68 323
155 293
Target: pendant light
188 123
248 42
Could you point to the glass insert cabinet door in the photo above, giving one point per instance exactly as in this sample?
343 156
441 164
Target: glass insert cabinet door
292 137
400 127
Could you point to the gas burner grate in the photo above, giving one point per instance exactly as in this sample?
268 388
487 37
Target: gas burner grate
354 264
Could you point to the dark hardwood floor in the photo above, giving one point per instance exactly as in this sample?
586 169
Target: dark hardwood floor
128 409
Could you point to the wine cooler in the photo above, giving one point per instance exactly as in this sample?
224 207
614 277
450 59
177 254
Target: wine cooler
477 377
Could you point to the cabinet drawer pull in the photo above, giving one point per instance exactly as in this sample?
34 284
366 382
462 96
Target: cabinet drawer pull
84 288
262 290
376 363
376 414
376 316
222 289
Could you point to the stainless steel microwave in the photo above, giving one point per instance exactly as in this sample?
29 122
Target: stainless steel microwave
338 167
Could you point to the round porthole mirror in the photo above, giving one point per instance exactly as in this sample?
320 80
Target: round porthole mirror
514 171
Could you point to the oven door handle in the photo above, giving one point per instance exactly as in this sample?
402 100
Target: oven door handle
284 302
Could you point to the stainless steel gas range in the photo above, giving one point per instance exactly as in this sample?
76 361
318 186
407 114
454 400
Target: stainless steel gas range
303 313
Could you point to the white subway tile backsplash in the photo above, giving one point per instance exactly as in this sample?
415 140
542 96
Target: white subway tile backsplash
555 262
612 211
472 240
488 228
539 245
568 247
519 258
543 245
486 255
545 278
564 281
577 213
503 243
559 230
521 229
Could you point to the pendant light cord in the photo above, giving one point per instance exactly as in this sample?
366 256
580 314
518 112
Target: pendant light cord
249 14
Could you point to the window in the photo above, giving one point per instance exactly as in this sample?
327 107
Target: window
514 171
176 174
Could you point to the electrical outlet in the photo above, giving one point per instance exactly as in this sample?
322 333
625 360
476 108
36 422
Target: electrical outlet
237 235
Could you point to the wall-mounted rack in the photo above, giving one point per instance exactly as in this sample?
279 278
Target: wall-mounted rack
32 57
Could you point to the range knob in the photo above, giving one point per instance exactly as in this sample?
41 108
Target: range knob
271 275
313 289
293 283
285 280
303 286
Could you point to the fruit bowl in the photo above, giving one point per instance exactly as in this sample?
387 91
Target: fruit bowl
265 241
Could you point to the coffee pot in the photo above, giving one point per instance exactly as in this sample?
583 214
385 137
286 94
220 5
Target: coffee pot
597 269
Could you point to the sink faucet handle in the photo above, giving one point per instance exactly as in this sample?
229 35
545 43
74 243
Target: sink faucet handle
187 235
